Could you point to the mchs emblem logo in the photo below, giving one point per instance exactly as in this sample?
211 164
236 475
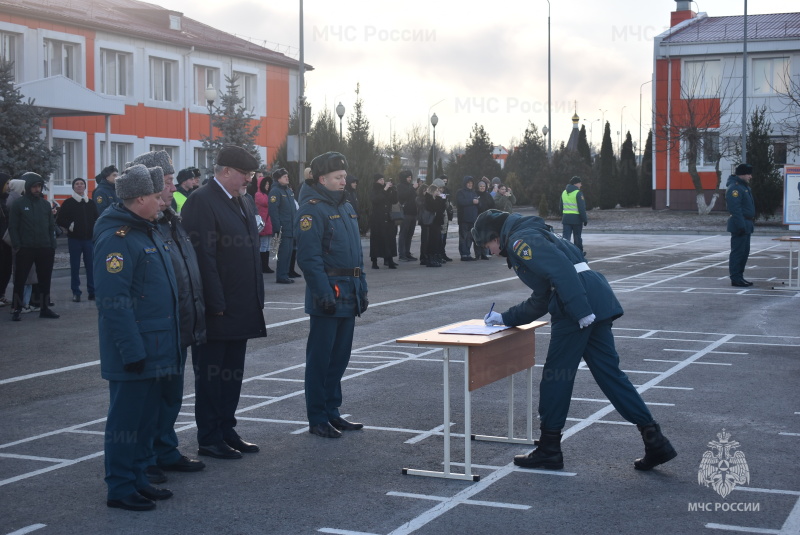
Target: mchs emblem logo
721 467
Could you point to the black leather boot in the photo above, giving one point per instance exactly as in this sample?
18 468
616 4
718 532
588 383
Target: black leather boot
375 264
292 273
265 263
547 454
389 261
657 449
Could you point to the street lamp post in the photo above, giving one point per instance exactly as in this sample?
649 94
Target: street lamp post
211 96
429 114
549 85
340 113
640 116
434 122
390 128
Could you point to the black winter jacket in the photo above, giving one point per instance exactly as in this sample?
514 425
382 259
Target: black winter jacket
83 214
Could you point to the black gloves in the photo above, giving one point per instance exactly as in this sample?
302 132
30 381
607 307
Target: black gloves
134 367
585 223
329 306
364 304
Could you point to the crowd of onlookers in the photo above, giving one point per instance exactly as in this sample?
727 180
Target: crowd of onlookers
29 226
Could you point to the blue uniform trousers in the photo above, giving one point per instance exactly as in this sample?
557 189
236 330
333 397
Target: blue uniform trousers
218 373
284 258
330 341
165 443
740 251
595 344
573 230
78 248
129 432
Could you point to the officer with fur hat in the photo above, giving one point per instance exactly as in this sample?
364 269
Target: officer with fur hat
582 307
104 194
739 198
329 252
138 326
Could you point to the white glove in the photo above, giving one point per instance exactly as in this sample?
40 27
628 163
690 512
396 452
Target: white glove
585 322
493 318
72 226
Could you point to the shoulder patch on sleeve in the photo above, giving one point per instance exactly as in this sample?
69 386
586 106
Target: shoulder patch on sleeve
305 222
735 193
99 199
114 262
273 198
522 250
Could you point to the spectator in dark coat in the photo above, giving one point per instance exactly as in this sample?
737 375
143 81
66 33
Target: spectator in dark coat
5 249
77 216
351 191
407 197
32 229
485 202
467 205
224 235
381 234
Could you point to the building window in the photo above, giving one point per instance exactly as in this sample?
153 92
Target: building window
171 150
163 79
701 79
115 72
770 76
69 163
203 161
121 153
708 151
8 51
246 88
779 152
203 77
61 58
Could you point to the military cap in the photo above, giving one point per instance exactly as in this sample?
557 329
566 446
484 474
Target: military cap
744 169
185 174
156 159
328 163
136 181
237 158
488 225
575 180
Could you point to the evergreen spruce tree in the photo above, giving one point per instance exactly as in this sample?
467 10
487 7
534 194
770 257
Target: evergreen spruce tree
628 181
583 146
477 159
235 125
528 163
646 173
363 157
766 183
607 193
22 147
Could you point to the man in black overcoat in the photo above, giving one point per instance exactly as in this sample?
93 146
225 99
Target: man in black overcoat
224 235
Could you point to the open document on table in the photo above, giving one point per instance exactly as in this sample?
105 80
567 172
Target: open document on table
475 329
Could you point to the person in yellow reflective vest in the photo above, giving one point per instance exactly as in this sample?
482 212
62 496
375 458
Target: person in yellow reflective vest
573 208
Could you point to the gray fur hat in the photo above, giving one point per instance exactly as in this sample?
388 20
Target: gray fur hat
157 176
136 181
156 159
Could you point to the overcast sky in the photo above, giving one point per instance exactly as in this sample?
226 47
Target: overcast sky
472 62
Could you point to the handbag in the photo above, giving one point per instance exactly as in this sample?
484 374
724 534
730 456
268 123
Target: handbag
426 217
396 214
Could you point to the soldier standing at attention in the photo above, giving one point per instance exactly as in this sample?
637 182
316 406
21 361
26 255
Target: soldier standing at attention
282 210
582 307
329 253
137 304
742 208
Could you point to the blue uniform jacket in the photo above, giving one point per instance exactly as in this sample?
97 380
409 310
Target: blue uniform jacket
328 238
739 199
104 195
137 298
282 210
546 264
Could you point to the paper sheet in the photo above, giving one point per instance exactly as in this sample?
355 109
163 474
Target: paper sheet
475 329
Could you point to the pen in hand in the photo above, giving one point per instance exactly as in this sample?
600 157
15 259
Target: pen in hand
493 318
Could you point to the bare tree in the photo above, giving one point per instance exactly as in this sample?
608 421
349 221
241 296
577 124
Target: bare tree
693 124
788 92
416 146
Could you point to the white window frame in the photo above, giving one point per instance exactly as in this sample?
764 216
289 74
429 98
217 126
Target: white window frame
702 164
775 73
79 53
13 40
701 78
249 90
99 154
122 75
203 76
176 103
172 146
78 168
116 147
197 102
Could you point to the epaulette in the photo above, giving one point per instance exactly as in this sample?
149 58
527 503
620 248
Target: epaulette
313 201
122 231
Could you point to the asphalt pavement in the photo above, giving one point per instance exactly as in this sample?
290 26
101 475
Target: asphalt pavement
715 364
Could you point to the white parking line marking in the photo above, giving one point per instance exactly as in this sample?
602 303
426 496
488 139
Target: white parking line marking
28 529
470 502
33 458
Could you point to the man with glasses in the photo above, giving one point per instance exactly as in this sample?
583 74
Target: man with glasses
223 232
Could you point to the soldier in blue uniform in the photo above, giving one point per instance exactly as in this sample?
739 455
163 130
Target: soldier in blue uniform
582 307
329 253
742 208
282 209
137 303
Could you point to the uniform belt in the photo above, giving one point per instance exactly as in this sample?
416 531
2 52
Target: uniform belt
583 266
348 272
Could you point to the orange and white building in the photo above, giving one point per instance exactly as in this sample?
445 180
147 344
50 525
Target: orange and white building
123 77
698 66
